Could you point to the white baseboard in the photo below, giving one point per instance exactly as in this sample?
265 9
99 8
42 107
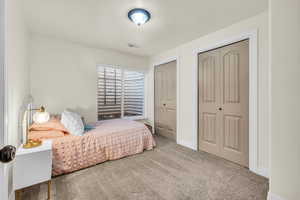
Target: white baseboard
263 172
274 196
187 144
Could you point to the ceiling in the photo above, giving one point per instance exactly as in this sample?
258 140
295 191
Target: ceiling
104 23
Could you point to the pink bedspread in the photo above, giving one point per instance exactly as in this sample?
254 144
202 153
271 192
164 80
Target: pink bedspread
110 140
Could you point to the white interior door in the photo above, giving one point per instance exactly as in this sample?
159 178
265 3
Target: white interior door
224 102
165 100
3 177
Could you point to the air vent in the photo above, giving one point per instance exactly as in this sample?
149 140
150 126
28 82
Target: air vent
132 45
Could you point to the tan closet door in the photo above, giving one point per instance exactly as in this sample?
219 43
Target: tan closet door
209 100
165 100
235 102
227 119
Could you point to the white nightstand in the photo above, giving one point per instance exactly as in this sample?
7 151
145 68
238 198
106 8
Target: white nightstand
147 123
33 166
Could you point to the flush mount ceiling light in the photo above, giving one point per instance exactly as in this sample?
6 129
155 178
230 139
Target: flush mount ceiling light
139 16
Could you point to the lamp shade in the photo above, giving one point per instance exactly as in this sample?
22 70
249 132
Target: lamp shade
41 117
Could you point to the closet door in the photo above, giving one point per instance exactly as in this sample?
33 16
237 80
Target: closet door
223 102
165 100
209 101
235 102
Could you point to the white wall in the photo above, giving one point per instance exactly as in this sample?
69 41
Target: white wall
186 53
17 75
63 74
285 67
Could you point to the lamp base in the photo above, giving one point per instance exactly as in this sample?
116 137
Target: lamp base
32 143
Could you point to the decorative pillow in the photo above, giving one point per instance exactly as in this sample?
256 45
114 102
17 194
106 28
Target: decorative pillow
55 116
52 124
88 127
72 122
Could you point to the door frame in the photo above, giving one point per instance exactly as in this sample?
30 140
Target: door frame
165 61
3 98
253 90
3 90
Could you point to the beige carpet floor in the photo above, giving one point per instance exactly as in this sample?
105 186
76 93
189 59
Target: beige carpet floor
169 172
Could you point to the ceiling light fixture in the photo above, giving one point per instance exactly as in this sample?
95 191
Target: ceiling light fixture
139 16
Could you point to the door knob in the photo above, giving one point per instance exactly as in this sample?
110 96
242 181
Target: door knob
164 104
220 109
7 154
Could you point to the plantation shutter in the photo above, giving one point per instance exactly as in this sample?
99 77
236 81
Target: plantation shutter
120 93
109 93
133 93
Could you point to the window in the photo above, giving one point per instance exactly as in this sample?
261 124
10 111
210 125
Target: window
120 93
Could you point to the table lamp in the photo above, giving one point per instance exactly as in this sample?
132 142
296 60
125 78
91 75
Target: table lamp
39 117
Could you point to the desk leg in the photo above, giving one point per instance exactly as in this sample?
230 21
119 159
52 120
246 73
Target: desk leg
18 194
49 189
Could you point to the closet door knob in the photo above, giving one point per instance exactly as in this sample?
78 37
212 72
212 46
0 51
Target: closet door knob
220 109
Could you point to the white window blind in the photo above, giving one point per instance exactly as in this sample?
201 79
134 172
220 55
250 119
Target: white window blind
120 93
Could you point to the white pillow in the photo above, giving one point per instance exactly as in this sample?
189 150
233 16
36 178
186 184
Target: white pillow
72 122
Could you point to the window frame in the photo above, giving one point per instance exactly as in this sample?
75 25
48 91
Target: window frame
140 117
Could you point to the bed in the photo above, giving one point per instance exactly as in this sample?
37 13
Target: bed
108 140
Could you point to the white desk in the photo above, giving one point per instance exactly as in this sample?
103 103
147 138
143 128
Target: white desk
33 166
